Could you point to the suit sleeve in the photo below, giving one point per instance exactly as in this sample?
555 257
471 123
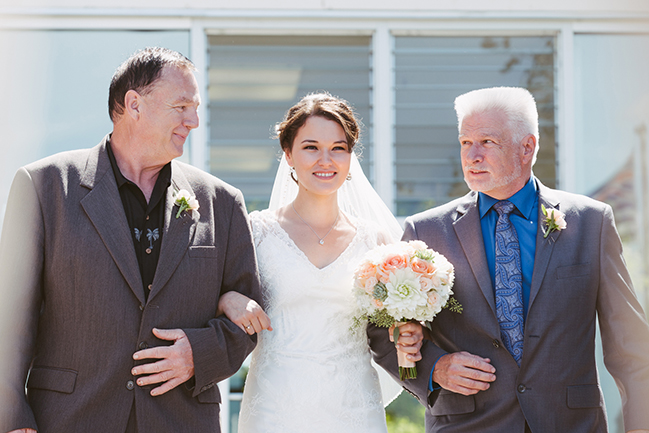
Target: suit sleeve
624 329
220 349
385 354
21 262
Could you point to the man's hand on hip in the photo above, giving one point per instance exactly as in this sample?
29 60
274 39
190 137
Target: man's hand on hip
175 363
464 373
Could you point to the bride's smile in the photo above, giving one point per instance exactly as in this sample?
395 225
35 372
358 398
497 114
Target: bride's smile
320 156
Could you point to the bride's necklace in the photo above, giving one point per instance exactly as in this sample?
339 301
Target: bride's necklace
321 239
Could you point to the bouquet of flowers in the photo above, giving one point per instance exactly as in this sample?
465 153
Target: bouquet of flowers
401 282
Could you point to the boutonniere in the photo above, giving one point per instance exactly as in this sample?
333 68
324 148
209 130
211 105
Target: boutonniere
554 220
185 201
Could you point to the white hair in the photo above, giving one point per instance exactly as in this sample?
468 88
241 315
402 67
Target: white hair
517 104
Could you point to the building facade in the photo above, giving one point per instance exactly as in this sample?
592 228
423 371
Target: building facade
401 64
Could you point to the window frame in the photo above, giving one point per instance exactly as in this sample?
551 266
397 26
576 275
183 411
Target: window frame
383 27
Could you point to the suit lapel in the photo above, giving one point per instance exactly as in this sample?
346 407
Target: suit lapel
178 232
103 206
467 228
544 246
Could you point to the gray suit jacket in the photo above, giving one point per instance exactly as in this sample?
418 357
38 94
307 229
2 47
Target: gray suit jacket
579 276
73 308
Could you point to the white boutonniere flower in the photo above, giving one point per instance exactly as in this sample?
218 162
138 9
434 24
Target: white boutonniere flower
185 201
555 220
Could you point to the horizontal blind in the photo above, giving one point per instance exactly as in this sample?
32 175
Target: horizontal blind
253 80
430 72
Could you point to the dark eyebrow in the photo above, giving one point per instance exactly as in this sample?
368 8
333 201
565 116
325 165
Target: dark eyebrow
310 140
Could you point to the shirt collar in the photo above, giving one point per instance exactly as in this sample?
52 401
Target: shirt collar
524 200
119 177
164 177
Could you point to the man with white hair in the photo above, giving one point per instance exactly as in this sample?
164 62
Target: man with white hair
534 269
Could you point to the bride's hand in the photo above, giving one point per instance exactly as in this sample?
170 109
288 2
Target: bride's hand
243 312
411 336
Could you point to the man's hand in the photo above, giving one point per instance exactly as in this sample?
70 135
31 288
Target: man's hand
243 312
464 373
410 340
175 363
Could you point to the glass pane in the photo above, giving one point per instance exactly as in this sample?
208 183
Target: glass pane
611 119
57 84
430 72
253 80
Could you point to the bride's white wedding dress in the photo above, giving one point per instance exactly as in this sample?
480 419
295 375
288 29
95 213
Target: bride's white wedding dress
312 373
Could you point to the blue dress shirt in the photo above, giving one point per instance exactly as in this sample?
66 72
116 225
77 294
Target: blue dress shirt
525 219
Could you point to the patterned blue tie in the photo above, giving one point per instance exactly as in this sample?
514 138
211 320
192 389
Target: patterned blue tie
509 282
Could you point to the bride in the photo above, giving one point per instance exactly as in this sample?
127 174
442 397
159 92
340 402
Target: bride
313 371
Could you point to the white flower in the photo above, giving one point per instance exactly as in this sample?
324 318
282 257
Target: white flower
193 204
554 220
404 294
185 201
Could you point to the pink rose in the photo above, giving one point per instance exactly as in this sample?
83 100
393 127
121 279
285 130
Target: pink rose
559 218
433 299
426 284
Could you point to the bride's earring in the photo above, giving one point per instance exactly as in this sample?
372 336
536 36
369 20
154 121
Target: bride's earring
293 175
349 176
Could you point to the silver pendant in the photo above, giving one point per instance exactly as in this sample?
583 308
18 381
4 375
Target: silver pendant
321 241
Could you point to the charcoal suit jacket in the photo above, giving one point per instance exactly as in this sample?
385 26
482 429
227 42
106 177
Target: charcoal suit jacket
73 309
579 277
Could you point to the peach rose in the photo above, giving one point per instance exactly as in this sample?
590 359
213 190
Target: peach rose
365 271
421 266
377 303
369 284
391 264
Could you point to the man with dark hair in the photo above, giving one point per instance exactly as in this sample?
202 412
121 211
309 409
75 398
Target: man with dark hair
113 260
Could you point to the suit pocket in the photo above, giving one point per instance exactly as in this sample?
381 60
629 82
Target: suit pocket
450 403
210 395
583 396
199 251
573 271
52 379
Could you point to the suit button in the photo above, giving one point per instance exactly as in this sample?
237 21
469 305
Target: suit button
496 344
130 385
522 388
148 250
141 307
150 286
143 345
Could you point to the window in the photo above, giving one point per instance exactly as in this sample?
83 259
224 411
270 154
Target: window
611 119
57 89
253 80
430 72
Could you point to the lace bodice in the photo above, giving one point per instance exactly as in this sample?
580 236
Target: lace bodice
312 372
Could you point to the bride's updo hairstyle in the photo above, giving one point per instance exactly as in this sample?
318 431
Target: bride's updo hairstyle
323 105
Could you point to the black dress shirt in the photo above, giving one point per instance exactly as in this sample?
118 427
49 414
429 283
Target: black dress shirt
146 220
